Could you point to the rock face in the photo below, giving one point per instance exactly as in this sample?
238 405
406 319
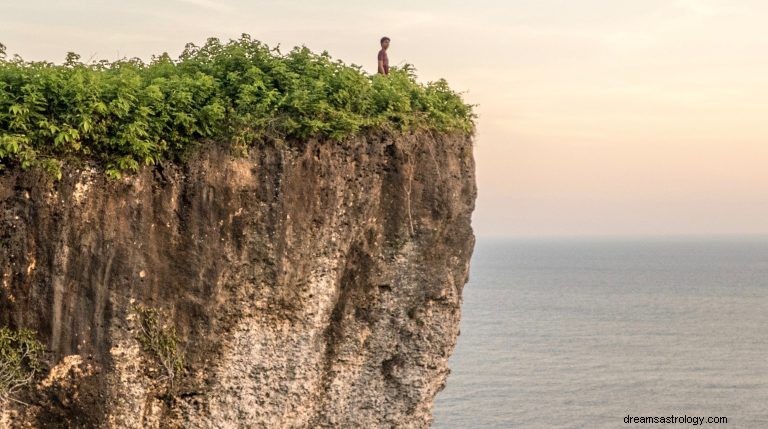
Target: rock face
310 285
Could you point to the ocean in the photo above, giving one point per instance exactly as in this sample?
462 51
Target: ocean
585 333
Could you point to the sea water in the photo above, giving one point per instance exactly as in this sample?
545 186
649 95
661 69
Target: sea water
584 333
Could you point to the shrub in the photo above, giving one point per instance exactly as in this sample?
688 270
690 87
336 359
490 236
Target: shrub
128 113
160 340
20 360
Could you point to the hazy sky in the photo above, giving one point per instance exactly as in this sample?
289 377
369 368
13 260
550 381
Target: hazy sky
617 117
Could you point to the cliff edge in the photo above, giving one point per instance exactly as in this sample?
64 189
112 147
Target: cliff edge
237 238
311 285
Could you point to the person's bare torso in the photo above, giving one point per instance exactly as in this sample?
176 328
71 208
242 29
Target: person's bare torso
384 60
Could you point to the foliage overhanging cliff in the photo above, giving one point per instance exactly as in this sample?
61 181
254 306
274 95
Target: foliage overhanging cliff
128 113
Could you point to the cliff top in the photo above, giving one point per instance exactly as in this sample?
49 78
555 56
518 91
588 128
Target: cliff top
127 113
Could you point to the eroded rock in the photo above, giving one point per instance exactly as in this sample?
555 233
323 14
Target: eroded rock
312 285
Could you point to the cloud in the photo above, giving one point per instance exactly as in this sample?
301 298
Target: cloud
212 5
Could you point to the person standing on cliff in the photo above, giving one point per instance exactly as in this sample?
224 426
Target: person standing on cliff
383 58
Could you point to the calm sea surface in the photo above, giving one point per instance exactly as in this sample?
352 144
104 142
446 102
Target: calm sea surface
580 334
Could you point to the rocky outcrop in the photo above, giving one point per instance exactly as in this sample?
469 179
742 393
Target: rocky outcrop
310 285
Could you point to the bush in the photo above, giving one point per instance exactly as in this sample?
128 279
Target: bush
20 360
128 113
160 340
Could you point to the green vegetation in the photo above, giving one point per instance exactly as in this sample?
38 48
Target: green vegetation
20 360
128 113
160 340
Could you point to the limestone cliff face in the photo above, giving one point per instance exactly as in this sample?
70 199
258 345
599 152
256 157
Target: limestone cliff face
311 285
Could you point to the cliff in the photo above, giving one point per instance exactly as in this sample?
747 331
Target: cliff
311 284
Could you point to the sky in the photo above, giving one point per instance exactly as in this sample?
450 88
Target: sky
596 117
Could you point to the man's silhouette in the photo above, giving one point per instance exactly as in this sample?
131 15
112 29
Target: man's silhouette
383 58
